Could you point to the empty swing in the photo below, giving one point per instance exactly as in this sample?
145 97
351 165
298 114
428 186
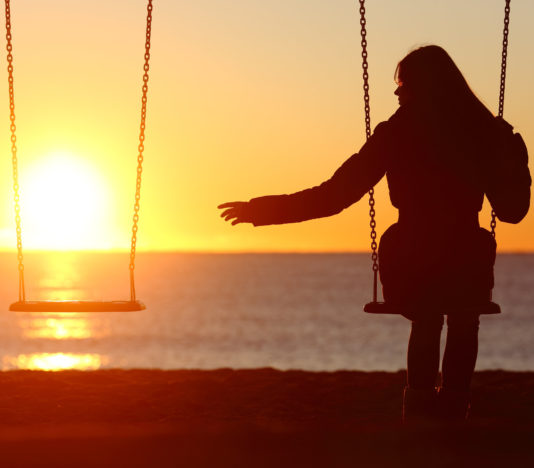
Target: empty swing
23 305
377 307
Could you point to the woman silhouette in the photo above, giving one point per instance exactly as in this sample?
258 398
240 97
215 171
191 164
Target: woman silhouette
441 152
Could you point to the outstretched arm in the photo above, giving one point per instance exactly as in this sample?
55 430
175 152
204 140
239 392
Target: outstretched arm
348 184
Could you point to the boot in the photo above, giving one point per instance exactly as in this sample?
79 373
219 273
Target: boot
419 406
453 405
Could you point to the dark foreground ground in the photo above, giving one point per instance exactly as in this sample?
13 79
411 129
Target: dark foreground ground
251 418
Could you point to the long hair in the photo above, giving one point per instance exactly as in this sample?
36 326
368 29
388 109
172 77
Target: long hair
434 80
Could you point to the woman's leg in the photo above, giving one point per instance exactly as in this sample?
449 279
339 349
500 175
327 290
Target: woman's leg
420 398
461 351
458 366
423 352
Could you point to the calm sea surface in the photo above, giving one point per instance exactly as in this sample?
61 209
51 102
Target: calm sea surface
253 310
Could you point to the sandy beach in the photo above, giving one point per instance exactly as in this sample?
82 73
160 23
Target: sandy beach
260 418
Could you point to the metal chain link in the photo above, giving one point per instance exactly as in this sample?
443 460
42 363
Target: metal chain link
140 149
367 107
493 223
14 160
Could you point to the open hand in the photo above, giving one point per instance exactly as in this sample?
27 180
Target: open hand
236 212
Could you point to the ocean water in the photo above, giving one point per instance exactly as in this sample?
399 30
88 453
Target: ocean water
288 311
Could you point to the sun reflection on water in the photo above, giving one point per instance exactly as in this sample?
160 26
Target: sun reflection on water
67 326
61 278
69 339
54 361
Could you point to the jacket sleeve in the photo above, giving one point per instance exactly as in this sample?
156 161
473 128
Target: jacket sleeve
508 183
356 176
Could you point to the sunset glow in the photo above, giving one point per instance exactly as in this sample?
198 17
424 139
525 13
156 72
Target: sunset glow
64 204
245 99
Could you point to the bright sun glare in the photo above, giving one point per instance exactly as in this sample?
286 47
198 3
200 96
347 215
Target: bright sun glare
64 205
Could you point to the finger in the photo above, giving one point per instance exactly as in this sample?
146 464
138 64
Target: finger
229 217
227 212
229 204
236 221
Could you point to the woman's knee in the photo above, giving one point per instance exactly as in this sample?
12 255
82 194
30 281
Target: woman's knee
462 323
432 323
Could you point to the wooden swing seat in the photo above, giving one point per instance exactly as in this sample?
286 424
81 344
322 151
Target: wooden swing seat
488 308
77 306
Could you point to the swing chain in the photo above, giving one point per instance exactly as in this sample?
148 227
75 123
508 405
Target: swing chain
504 56
9 48
367 107
493 223
14 160
365 67
140 149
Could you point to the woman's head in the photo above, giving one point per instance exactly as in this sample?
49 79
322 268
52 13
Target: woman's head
430 76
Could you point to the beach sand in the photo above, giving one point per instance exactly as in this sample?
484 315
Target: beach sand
251 418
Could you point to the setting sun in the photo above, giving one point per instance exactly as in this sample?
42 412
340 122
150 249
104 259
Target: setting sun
64 204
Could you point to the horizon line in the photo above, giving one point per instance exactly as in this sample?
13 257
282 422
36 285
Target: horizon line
220 252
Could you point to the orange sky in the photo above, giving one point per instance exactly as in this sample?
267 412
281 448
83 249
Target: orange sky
243 95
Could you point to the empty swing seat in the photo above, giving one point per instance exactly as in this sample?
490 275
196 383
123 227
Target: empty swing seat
70 305
488 308
77 306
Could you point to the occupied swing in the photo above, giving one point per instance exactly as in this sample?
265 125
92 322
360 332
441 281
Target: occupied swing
377 307
22 305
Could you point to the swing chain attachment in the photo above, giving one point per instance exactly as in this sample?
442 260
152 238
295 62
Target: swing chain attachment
372 212
493 223
14 160
140 149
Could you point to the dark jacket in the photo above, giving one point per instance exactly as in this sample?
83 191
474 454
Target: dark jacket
437 172
438 168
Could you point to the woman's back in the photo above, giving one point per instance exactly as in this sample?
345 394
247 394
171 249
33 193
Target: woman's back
435 167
